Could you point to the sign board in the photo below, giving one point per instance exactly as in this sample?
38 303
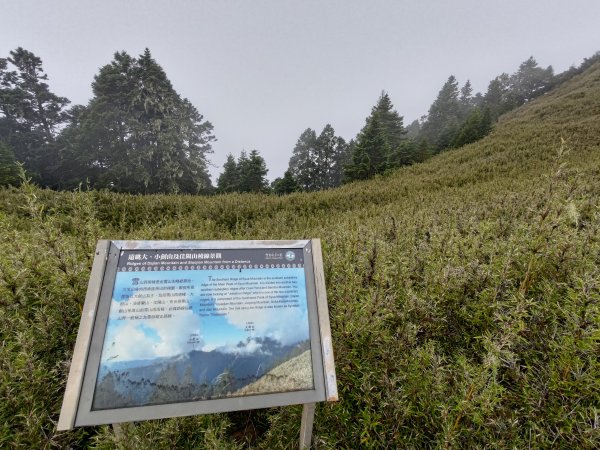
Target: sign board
177 328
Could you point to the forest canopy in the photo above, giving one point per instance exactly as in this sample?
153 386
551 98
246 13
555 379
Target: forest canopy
137 134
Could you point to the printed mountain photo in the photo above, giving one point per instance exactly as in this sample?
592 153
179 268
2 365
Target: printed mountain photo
207 332
200 375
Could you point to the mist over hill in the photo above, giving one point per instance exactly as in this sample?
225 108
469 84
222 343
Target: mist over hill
464 293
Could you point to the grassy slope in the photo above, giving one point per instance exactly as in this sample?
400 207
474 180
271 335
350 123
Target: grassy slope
463 293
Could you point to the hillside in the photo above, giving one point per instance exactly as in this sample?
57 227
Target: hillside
293 374
464 293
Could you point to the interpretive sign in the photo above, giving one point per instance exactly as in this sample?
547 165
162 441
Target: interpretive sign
175 328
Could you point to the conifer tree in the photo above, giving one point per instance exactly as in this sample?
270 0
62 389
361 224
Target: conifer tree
318 162
470 131
369 156
405 154
323 158
330 156
497 97
443 120
381 144
302 163
31 116
448 134
422 150
229 180
138 135
390 122
530 81
252 172
285 185
413 129
466 101
9 172
477 125
341 158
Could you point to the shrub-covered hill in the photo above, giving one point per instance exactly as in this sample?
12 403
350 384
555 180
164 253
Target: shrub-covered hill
464 294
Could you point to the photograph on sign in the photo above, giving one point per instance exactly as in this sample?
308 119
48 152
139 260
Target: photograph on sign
192 325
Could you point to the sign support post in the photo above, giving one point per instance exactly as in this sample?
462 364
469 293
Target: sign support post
118 431
306 426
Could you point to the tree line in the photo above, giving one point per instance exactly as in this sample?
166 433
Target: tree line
456 117
138 135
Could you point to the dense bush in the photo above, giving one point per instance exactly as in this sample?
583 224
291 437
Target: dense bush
464 294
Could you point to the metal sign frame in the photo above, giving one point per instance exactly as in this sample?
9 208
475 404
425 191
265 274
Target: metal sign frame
77 403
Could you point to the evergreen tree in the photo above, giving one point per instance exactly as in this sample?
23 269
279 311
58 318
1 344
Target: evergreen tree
477 100
465 100
381 144
252 172
70 170
390 122
341 157
285 185
31 115
443 120
405 154
530 81
422 150
359 167
138 135
323 158
413 129
486 123
329 158
497 98
302 163
318 162
9 171
470 130
477 125
572 71
448 134
369 156
229 180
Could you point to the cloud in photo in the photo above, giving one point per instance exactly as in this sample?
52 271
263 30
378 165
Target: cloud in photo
127 340
287 325
147 339
251 346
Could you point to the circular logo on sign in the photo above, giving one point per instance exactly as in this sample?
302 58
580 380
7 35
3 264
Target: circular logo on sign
290 255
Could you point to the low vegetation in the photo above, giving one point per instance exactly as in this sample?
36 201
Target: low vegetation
292 375
464 294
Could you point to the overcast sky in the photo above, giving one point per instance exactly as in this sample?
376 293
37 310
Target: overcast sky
264 71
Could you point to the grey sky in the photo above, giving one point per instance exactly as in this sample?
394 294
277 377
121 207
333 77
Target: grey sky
263 71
